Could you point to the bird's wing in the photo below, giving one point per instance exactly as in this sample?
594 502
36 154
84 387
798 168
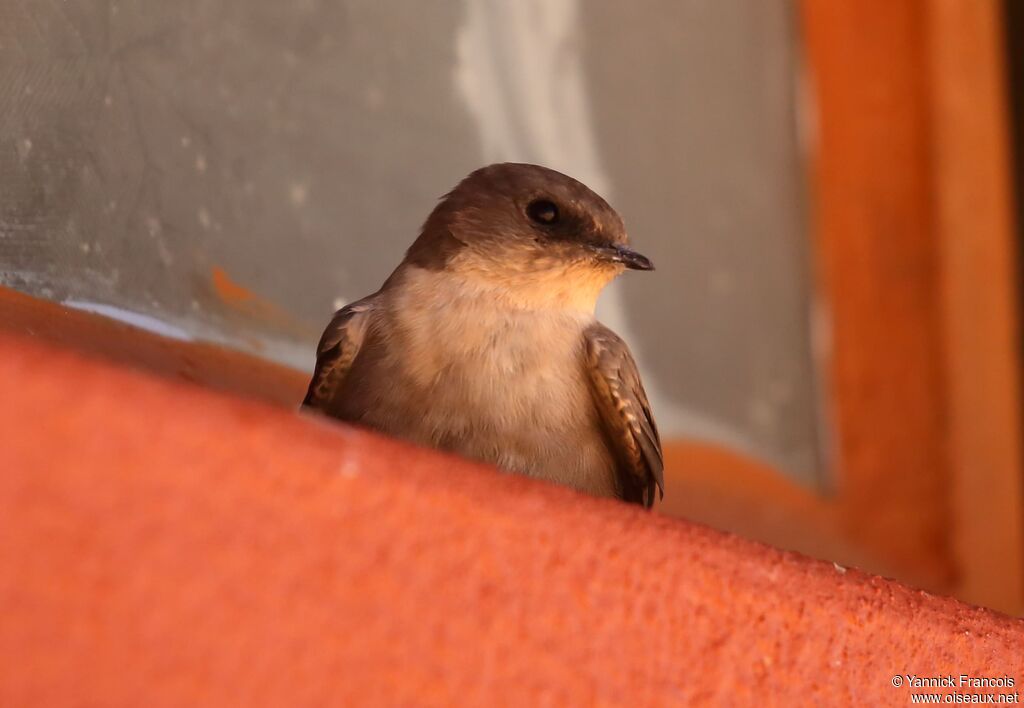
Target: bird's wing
338 348
625 414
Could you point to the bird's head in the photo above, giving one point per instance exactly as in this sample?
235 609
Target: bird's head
541 238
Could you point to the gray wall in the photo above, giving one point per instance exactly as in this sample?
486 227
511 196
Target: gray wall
151 150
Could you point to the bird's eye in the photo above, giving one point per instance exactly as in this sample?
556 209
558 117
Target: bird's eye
543 212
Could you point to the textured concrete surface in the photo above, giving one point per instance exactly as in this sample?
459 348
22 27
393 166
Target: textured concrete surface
163 545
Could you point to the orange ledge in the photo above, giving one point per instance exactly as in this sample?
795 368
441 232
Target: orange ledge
161 544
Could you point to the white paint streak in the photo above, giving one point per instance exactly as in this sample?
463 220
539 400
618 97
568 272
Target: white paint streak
284 351
135 319
520 73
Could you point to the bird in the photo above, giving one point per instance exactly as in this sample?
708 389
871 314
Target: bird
483 342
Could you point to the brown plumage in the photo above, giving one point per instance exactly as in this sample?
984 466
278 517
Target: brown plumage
483 341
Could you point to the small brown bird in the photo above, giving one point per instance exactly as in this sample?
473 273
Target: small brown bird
483 342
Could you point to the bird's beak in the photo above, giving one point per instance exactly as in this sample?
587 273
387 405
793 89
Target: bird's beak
624 255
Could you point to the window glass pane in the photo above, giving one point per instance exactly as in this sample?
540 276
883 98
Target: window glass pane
230 170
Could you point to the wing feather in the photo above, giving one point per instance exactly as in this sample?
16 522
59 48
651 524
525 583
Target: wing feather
338 348
626 415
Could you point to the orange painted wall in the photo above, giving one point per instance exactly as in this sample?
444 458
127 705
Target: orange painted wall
161 544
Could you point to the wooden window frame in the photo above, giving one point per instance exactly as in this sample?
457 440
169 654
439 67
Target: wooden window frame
913 236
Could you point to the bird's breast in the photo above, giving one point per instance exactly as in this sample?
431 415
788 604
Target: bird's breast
501 385
498 366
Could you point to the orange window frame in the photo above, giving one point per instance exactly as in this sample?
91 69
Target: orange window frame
913 236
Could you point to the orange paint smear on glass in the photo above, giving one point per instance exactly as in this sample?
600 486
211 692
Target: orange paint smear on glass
243 300
230 292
